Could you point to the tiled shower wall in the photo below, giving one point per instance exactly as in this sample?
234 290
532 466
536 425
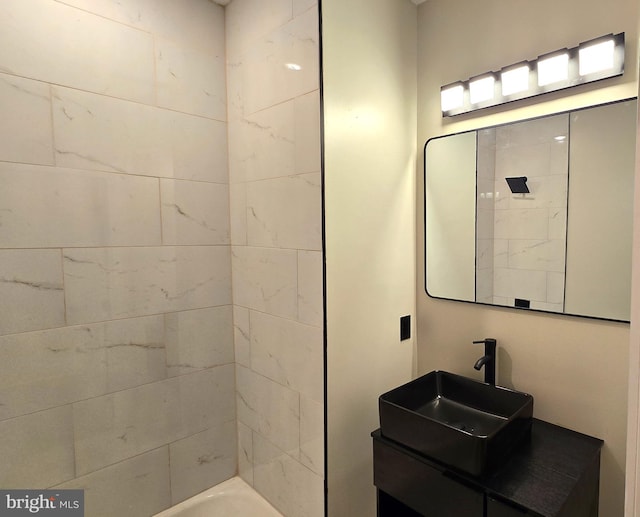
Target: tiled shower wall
485 213
276 235
522 237
116 335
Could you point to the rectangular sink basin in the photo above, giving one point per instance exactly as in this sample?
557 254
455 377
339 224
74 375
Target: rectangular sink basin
459 422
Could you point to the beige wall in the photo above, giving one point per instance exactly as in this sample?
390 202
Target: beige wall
575 368
370 119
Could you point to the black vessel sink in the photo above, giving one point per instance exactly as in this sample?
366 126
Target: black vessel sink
457 421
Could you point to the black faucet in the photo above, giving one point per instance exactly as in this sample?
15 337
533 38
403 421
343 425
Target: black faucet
488 360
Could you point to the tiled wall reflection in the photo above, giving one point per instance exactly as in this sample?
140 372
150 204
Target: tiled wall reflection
522 237
116 333
274 169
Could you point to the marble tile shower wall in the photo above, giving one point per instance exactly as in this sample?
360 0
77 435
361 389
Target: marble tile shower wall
116 332
529 230
276 235
485 193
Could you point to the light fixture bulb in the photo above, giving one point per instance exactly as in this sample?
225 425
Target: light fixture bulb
593 60
597 57
515 80
481 90
553 69
452 98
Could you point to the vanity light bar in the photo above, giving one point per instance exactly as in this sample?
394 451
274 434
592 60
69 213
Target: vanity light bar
593 60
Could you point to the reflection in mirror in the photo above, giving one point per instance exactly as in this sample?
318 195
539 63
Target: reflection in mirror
535 214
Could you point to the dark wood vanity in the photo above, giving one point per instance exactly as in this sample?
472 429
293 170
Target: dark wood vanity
555 474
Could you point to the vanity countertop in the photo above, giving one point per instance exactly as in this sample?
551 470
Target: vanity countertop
543 475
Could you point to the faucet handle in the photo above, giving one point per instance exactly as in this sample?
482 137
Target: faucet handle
489 343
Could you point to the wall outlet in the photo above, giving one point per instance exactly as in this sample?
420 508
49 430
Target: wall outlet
405 327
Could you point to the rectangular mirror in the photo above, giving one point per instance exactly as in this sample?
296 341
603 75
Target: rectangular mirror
535 214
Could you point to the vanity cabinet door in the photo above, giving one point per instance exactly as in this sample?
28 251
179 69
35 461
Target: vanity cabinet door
425 489
498 509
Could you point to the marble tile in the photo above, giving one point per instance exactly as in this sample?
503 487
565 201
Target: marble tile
307 124
285 212
263 145
312 434
501 253
109 283
532 131
484 286
245 453
501 196
114 427
54 207
25 127
485 198
542 255
515 283
529 160
548 307
48 369
194 212
558 223
31 290
235 101
300 6
199 339
37 449
136 486
135 350
102 133
288 353
555 288
485 220
53 42
265 279
289 486
238 216
522 224
55 367
198 148
207 398
190 80
250 20
486 149
202 460
484 253
266 78
546 192
268 408
242 335
192 23
310 287
559 157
